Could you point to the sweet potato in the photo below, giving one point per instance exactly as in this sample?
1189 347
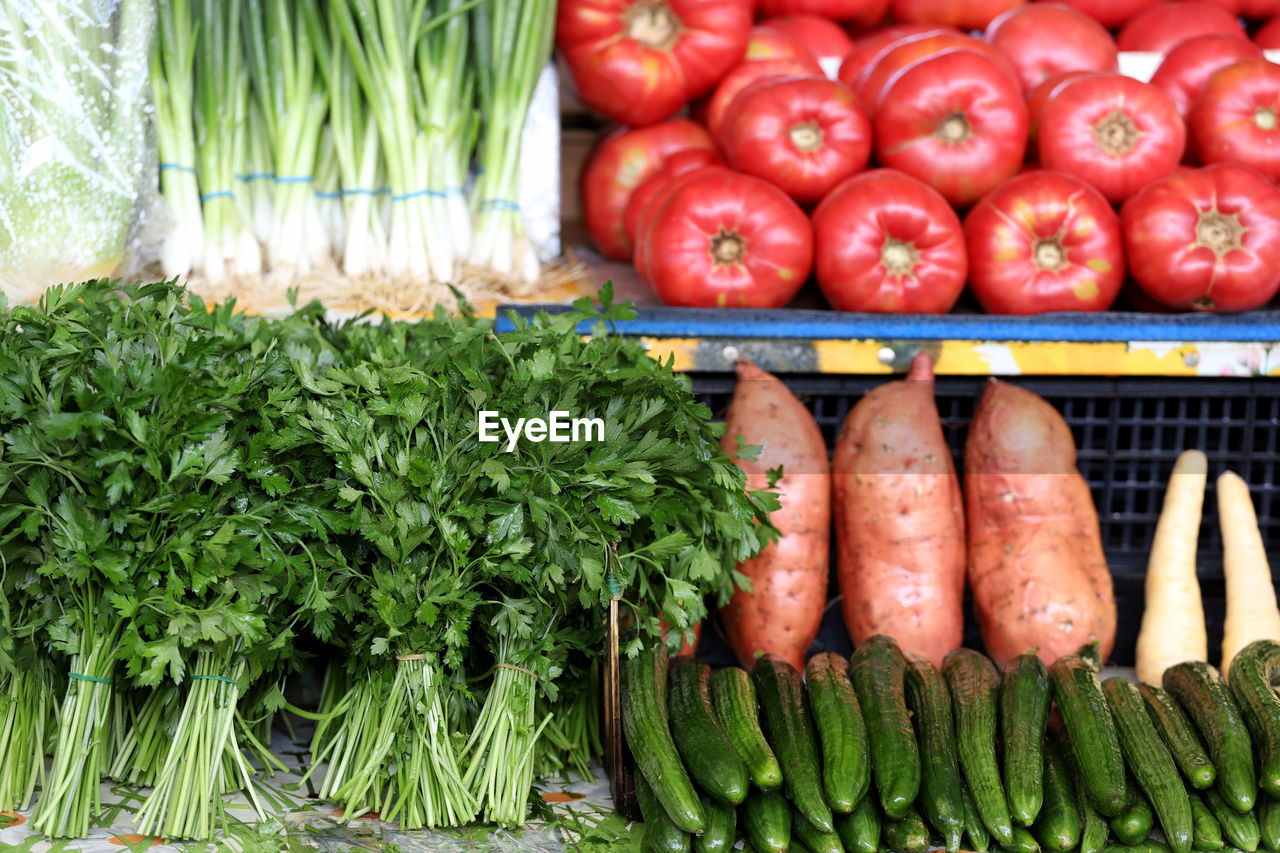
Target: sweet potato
900 519
781 613
1036 567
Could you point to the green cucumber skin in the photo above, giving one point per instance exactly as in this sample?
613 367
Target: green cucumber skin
660 834
1023 841
1179 735
1239 830
1140 847
975 689
707 753
780 689
1268 811
877 670
1094 830
1249 677
644 722
908 835
1091 730
860 831
733 699
1149 760
846 759
1025 698
808 834
974 828
1205 697
940 798
1057 827
1134 823
1207 835
722 827
765 819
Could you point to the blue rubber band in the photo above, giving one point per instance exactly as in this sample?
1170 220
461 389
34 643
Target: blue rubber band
177 167
325 194
366 191
499 204
294 179
256 176
462 191
418 194
222 678
219 194
78 677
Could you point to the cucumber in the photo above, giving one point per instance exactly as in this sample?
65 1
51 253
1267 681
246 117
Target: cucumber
812 838
1139 847
1135 821
975 686
1057 827
1206 835
1025 698
1179 735
1149 760
733 698
860 831
1023 841
1239 830
878 672
1249 677
1200 690
1268 814
644 722
974 829
1094 830
660 834
1092 732
846 761
707 753
941 799
790 732
722 827
908 834
765 819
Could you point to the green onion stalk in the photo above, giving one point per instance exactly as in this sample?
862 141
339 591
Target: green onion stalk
258 180
513 40
73 86
329 213
172 91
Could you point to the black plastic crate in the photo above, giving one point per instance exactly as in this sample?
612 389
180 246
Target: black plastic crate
1128 433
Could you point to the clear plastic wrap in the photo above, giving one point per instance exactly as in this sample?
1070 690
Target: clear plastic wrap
76 161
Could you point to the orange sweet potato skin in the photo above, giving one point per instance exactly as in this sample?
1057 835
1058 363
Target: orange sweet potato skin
783 611
1036 566
900 519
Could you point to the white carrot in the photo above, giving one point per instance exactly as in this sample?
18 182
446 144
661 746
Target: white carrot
1251 597
1173 619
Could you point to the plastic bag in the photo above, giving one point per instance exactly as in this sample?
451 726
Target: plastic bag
74 149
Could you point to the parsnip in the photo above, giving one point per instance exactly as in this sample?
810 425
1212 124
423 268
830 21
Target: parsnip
1251 597
1173 620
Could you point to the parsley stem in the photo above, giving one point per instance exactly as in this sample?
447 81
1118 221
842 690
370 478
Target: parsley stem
26 700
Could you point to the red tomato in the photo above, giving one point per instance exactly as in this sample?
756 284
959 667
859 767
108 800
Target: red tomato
1044 241
638 61
870 46
1043 39
722 239
644 219
1111 13
1207 239
621 162
1253 9
1236 118
1268 37
858 14
679 163
1112 131
881 71
1036 101
1191 63
746 75
770 43
823 36
964 14
887 243
956 122
1162 27
801 134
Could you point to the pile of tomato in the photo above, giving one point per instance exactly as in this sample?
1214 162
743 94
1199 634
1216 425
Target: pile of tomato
986 144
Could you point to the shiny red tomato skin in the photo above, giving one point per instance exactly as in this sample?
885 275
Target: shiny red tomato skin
1191 63
1206 239
747 74
762 240
1036 101
644 219
876 76
1162 27
858 14
637 62
679 163
1089 112
1111 13
887 243
962 14
956 122
1044 39
1044 241
768 43
1236 117
1256 10
1268 37
822 36
870 46
621 162
803 135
